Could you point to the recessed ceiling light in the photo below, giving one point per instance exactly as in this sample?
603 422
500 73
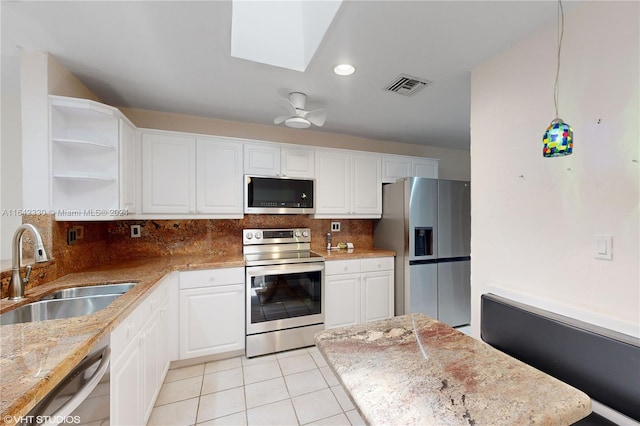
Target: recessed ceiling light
344 69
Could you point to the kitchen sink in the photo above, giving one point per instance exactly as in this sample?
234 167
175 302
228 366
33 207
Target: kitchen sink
94 290
57 308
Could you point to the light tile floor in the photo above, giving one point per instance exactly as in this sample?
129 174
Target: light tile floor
289 388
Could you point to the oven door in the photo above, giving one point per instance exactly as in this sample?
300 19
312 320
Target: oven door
284 296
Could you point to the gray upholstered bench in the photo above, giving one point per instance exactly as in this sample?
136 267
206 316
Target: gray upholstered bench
602 363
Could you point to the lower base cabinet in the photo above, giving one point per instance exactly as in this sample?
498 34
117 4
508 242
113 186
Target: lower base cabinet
139 347
211 312
358 291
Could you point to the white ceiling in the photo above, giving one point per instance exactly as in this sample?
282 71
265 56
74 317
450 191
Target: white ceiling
174 56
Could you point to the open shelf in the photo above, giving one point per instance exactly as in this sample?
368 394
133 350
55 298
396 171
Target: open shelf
98 178
80 143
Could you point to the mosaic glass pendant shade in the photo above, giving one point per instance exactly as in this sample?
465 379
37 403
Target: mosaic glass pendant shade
558 139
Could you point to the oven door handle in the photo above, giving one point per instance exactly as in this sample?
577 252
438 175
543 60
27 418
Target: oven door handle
284 269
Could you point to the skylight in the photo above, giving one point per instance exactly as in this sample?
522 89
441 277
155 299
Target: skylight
281 33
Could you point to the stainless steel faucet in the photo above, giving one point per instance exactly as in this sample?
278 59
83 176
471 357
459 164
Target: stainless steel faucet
17 283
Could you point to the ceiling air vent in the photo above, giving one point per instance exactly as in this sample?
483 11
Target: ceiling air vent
407 85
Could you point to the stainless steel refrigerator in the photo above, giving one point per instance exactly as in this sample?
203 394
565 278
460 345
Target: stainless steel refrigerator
428 223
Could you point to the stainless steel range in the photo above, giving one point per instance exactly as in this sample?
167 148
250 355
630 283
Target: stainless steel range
285 290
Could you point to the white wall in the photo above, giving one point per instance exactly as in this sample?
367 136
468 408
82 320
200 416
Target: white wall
534 220
10 168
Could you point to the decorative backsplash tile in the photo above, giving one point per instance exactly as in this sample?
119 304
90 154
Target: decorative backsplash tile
107 242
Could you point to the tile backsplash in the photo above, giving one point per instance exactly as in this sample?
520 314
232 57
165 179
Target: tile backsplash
107 242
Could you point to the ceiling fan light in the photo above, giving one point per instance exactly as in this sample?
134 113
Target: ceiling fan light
344 69
297 123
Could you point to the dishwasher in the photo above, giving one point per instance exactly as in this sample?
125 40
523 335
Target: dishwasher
82 397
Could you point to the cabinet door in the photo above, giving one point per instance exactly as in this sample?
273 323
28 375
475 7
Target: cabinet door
395 167
219 176
298 162
425 167
262 159
211 320
151 359
377 295
168 173
126 387
332 182
366 186
342 300
130 170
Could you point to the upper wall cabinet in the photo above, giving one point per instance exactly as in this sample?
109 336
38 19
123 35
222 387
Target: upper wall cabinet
348 184
130 161
396 167
185 174
267 159
86 149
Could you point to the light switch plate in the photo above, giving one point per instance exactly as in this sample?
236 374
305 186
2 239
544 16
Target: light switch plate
604 247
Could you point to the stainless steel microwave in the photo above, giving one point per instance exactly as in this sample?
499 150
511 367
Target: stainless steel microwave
279 195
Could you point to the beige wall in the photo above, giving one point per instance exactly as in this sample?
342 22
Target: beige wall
454 164
534 220
62 83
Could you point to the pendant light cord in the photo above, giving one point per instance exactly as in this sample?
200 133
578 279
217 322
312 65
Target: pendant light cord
560 35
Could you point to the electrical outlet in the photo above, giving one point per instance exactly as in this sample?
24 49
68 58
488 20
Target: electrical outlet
135 231
335 226
72 236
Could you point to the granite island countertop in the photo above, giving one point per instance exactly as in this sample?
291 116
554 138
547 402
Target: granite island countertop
414 370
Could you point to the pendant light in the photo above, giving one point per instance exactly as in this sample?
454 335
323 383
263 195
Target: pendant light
557 140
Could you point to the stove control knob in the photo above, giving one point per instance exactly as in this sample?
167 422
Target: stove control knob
297 234
248 235
258 235
305 233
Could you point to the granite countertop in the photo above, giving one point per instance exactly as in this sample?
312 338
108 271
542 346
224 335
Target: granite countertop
414 370
345 254
34 357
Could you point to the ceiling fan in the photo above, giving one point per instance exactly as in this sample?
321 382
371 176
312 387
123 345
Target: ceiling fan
297 117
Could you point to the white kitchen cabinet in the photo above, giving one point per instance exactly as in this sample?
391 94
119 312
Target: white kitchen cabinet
358 290
271 159
218 176
140 359
396 167
130 170
424 167
377 288
348 184
85 159
168 173
211 315
342 300
126 385
182 174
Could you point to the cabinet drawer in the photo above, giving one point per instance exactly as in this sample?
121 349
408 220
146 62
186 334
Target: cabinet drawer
211 277
335 267
377 264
